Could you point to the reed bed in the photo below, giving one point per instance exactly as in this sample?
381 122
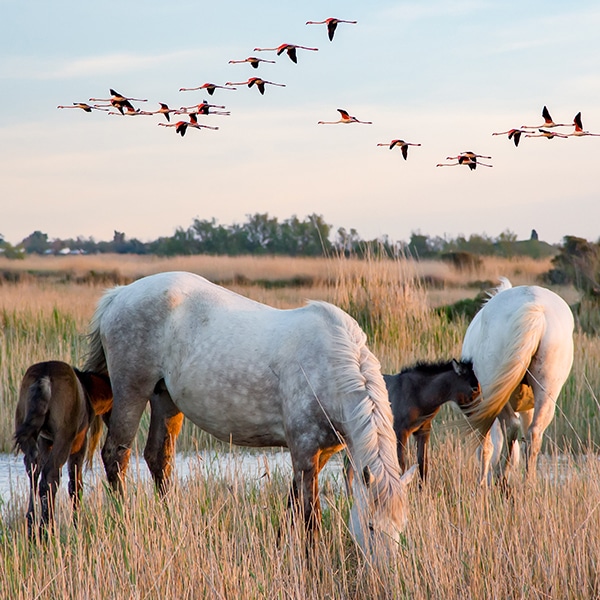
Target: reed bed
224 536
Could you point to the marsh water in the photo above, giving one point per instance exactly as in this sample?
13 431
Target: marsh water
251 466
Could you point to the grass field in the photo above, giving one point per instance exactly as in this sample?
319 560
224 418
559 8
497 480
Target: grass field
218 537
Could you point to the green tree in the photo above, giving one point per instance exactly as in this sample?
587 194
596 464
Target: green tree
36 243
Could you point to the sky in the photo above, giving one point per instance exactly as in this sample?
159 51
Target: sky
443 74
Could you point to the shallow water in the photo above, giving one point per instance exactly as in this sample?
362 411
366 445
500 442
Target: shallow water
251 466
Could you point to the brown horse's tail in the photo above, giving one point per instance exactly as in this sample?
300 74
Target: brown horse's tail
38 404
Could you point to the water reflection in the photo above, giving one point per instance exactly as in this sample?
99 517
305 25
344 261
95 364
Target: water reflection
249 465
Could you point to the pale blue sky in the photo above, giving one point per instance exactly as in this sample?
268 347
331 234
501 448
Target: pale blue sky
443 74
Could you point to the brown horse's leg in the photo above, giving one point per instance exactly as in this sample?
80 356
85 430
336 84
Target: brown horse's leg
165 424
422 436
402 447
32 466
75 464
50 477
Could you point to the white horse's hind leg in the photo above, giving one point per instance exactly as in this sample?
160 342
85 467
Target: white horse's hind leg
511 427
485 452
545 404
165 425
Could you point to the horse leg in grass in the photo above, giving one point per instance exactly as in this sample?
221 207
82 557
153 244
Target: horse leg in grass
165 425
128 406
50 477
486 452
422 436
75 466
402 447
32 466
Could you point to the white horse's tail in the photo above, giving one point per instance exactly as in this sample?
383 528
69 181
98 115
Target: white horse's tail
95 358
499 375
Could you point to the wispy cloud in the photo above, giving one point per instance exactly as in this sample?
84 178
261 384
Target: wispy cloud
25 67
432 10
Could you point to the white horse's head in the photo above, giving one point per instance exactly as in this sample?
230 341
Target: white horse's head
375 530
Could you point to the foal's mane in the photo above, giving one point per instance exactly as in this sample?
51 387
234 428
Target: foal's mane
433 368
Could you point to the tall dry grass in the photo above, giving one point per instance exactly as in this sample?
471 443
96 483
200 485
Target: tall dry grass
218 537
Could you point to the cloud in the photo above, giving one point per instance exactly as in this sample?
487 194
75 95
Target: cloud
24 67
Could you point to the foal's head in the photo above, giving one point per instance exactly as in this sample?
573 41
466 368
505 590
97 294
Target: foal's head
466 386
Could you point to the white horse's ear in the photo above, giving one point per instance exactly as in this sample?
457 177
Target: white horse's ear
408 476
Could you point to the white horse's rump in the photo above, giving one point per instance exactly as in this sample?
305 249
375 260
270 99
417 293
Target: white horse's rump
521 345
247 373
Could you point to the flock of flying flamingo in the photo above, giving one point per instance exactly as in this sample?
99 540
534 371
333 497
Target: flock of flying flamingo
124 107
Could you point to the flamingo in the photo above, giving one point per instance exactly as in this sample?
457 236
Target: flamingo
130 111
254 62
182 126
203 109
119 101
579 132
346 118
84 106
331 25
466 158
547 134
513 134
165 110
258 82
209 87
548 122
194 123
289 48
400 144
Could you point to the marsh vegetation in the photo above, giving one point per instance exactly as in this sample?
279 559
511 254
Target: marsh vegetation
216 536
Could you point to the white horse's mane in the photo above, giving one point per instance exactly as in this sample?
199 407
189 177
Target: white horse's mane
371 420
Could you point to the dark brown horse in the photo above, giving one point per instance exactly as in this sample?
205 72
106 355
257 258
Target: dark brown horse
417 393
57 407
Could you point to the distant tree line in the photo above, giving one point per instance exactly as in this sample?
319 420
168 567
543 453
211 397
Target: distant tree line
263 234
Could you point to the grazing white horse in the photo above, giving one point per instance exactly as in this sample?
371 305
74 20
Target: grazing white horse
521 346
252 375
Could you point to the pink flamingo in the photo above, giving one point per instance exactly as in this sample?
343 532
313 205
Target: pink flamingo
165 110
258 82
83 106
203 109
548 122
547 134
209 87
579 132
466 158
400 144
513 134
289 48
182 126
130 111
254 62
346 118
119 101
331 25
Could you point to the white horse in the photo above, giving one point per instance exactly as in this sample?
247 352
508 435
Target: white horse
252 375
521 345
